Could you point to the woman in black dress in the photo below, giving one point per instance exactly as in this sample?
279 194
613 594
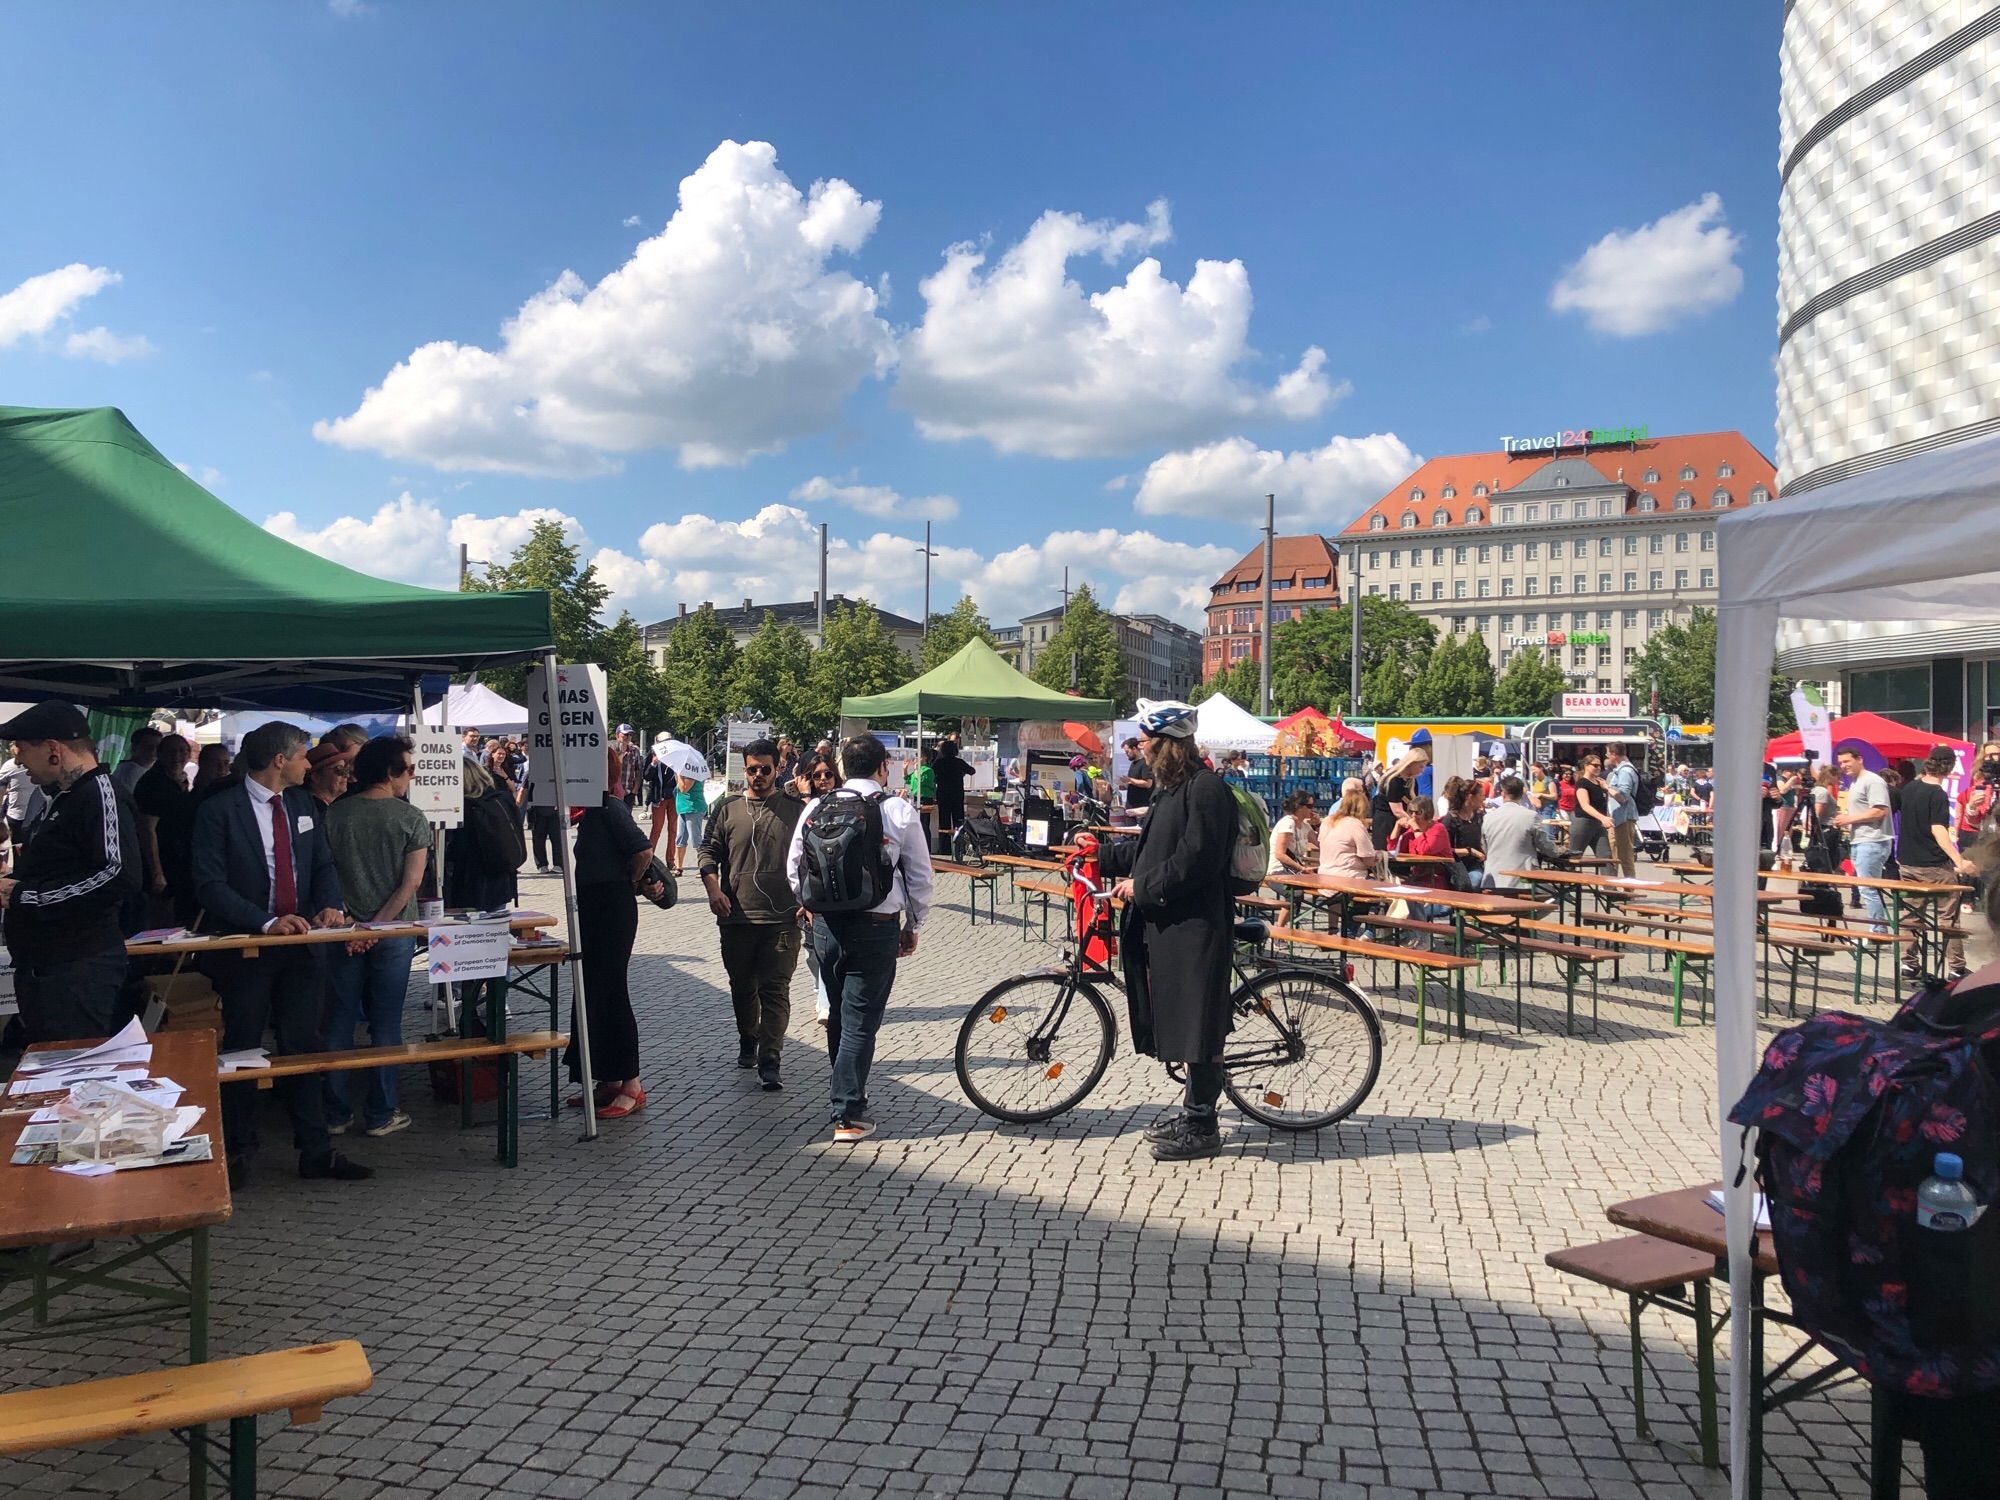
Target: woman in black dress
612 857
1179 919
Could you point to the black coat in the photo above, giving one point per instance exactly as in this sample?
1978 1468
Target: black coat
1178 926
483 854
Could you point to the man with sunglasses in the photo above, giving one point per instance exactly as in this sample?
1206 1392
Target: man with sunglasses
742 864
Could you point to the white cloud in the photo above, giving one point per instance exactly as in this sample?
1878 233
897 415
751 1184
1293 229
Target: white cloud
106 347
633 221
878 500
34 309
724 336
1479 323
202 474
1133 572
414 541
1326 487
348 9
1643 280
1022 356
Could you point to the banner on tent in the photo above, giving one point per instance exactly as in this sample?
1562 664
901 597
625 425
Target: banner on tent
438 792
1815 723
578 715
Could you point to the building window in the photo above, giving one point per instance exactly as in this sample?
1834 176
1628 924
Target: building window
1604 656
1687 472
1458 588
1708 541
1437 591
1708 578
1631 583
1647 504
1579 620
1507 515
1409 521
1759 495
1555 550
1249 587
1680 541
1472 513
1506 624
1440 516
1534 586
1723 500
1604 619
1629 653
1534 552
1416 495
1506 588
1631 546
1312 583
1486 552
1479 489
1481 623
1683 501
1725 470
1580 583
1603 583
1656 543
1458 624
1533 513
1580 509
1378 523
1652 476
1485 588
1680 579
1448 493
1604 546
1395 591
1631 619
1531 622
1460 554
1555 584
1579 656
1374 590
1655 618
1506 655
1396 557
1562 483
1437 557
1506 552
1604 507
1654 580
1238 650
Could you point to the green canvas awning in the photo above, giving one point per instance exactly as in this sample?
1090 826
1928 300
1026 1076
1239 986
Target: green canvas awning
128 582
975 684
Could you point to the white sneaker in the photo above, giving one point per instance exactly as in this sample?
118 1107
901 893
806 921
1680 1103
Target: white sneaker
397 1121
847 1132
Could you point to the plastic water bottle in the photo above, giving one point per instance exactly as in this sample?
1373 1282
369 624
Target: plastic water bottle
1944 1201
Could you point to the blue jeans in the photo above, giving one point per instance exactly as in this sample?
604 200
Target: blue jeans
857 956
1870 859
689 836
371 986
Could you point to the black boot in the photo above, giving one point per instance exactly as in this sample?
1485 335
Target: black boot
1198 1136
767 1073
1165 1128
746 1052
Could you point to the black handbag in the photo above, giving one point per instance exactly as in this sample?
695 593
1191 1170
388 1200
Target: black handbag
658 885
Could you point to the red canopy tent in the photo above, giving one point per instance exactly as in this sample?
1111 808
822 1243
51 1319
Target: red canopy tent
1310 732
1889 739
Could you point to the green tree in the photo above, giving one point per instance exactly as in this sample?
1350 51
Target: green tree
1311 656
1087 635
1527 688
949 632
635 688
856 657
1240 682
700 675
1678 663
774 679
546 560
1456 680
1385 687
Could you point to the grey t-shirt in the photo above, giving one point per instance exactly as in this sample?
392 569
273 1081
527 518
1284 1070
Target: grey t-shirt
1868 791
371 837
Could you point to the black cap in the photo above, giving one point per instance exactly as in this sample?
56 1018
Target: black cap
51 719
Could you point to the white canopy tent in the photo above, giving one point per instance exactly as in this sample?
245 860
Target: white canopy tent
1219 724
1883 553
473 705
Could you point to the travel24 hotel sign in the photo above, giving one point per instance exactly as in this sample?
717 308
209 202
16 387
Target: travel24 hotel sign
1574 437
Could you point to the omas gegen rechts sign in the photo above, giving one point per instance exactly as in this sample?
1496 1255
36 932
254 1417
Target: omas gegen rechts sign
1573 437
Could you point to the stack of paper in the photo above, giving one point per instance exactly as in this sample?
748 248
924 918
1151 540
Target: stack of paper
123 1063
243 1060
1763 1206
129 1046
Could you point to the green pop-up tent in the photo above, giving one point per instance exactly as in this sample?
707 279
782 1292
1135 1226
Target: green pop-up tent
975 684
127 582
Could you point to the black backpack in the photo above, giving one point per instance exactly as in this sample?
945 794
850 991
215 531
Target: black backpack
1648 796
841 864
1851 1114
1822 901
980 835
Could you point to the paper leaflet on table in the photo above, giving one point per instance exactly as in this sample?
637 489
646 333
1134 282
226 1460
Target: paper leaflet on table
54 1083
163 1091
188 1149
1763 1206
45 1133
131 1040
243 1059
160 935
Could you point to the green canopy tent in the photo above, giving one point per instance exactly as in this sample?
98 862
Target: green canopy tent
975 684
128 583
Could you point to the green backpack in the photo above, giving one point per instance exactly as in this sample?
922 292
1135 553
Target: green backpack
1250 855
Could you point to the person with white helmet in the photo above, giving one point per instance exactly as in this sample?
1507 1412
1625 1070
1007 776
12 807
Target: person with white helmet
1178 923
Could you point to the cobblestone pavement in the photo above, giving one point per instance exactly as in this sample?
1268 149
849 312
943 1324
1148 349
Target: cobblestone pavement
712 1299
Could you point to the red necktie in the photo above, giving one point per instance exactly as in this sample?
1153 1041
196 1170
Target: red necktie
285 883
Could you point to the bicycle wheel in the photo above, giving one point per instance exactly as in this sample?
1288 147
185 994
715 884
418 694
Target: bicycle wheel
1305 1052
1033 1046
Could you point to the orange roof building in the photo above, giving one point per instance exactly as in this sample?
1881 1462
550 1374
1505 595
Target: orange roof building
1305 575
1576 543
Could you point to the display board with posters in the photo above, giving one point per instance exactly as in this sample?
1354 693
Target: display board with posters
578 715
438 790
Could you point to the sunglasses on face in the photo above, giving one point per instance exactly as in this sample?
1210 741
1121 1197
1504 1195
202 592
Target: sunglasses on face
757 770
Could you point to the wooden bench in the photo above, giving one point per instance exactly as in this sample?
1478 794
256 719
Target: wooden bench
1679 952
1796 940
448 1049
982 877
1043 891
1428 965
298 1382
1576 959
1674 1278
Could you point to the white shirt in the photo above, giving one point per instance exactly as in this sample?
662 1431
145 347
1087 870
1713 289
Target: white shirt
20 787
902 845
126 777
261 800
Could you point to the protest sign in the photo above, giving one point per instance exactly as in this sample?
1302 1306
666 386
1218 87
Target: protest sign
578 714
439 789
463 951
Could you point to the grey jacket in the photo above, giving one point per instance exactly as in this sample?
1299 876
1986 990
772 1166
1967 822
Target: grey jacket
744 847
1514 837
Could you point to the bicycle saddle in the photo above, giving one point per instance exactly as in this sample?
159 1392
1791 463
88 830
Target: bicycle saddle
1252 929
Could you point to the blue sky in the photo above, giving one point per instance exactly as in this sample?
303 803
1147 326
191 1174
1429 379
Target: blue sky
235 221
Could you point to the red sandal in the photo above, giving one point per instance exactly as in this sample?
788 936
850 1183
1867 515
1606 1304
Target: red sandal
628 1102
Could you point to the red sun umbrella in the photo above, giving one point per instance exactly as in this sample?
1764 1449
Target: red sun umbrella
1084 738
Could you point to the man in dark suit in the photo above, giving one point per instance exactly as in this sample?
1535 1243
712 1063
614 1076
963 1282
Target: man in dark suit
262 864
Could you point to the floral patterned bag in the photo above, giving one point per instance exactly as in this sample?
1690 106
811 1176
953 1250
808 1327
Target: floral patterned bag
1851 1113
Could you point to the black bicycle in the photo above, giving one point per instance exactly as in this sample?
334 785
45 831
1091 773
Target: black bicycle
1304 1053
